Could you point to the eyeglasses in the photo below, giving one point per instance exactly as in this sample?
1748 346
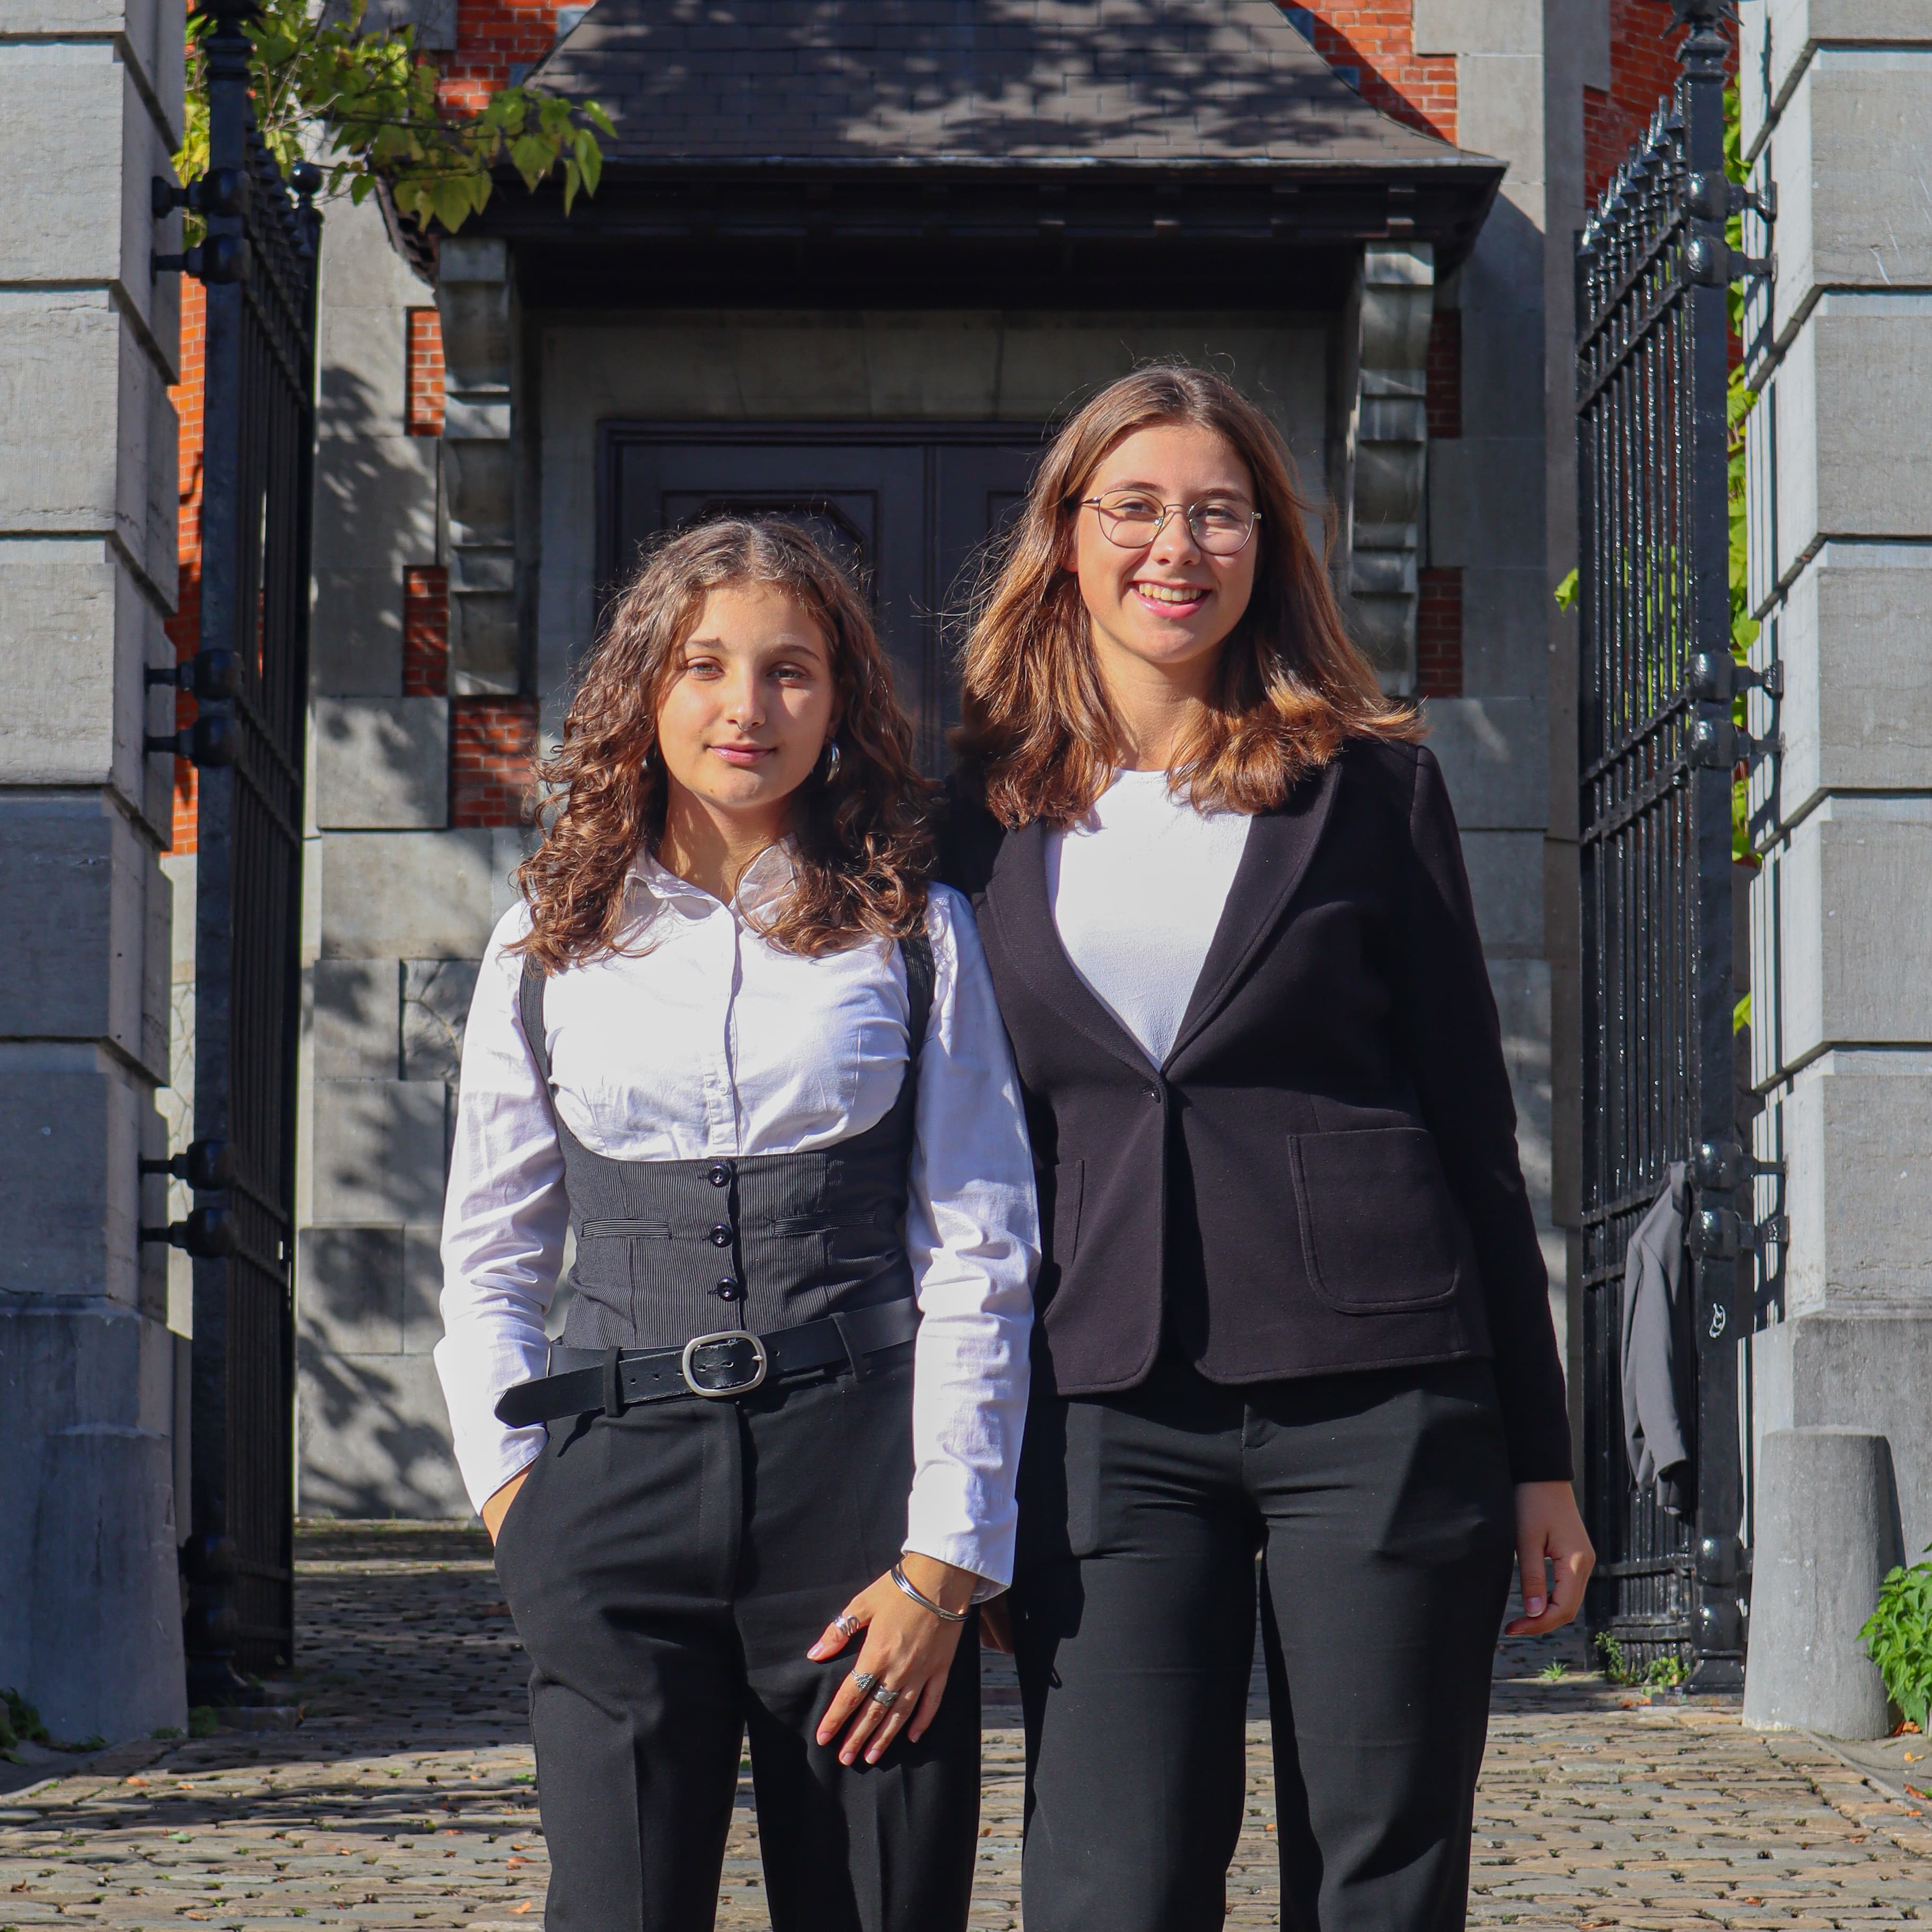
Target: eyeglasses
1132 519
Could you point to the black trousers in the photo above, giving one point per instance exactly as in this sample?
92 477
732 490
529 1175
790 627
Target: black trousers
667 1570
1382 1508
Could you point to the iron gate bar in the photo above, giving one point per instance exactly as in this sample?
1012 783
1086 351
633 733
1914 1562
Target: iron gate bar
1655 849
258 440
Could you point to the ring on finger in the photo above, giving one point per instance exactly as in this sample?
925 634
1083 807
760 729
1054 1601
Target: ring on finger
864 1682
848 1628
883 1698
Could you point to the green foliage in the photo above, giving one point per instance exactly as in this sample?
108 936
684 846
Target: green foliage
1566 591
365 106
1554 1672
19 1724
1661 1673
1897 1637
203 1721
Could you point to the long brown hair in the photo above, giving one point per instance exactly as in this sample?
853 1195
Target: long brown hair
861 833
1039 738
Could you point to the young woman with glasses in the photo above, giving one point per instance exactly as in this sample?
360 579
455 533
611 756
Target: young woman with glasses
734 1045
1291 1302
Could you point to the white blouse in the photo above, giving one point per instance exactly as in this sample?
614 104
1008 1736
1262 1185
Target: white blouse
1137 889
714 1042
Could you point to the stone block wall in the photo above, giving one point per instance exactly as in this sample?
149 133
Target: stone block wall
406 874
90 1617
1838 108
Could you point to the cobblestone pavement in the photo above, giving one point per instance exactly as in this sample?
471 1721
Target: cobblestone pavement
404 1799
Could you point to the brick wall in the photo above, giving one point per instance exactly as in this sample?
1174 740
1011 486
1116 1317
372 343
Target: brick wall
492 37
425 631
1445 373
422 373
1643 69
492 743
1438 633
183 627
1372 44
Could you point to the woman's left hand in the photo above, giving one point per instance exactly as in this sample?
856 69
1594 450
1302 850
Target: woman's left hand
1547 1526
907 1649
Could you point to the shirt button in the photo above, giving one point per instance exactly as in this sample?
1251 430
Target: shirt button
1152 1093
718 1175
721 1236
729 1289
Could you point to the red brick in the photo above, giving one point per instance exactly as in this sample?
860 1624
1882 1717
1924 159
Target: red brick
1438 633
425 631
1643 69
493 744
1445 374
422 373
1377 38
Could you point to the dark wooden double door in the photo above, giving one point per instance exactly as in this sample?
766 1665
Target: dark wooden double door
909 509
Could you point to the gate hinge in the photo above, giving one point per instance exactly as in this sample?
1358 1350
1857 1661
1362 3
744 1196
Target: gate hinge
1717 743
1710 263
209 741
207 1233
1719 1234
1721 1167
1714 197
206 1165
1717 677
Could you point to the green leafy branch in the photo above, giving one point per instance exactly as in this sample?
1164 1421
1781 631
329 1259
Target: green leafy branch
1897 1637
365 106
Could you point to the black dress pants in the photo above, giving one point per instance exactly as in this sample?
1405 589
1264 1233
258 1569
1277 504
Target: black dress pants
1382 1511
667 1570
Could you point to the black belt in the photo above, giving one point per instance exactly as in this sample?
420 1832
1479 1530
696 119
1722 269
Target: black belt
730 1362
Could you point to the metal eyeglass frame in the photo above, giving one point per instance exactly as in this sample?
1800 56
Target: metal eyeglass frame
1097 505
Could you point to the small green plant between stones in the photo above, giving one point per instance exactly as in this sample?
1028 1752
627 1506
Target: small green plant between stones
1897 1637
19 1724
1661 1673
202 1721
1553 1672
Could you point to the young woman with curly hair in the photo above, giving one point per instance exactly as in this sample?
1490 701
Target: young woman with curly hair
733 1043
1291 1302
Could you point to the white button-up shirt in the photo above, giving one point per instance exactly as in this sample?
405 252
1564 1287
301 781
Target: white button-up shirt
714 1043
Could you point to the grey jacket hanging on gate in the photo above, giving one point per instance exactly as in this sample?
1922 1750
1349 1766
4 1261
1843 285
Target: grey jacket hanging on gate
1655 1283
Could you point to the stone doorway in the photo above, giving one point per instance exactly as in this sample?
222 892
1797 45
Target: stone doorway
909 509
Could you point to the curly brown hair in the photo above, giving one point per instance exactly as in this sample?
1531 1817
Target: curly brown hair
1040 739
863 835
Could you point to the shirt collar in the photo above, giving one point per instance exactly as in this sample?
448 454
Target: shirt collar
767 877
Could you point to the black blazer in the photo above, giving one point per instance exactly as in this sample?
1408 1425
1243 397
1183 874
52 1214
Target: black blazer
1323 1175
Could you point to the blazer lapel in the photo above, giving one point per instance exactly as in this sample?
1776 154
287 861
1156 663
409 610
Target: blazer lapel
1280 843
1016 896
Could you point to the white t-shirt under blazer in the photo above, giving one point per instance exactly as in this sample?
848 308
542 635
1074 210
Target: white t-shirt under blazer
1137 889
714 1042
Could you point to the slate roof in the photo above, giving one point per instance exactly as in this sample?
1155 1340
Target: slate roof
1021 84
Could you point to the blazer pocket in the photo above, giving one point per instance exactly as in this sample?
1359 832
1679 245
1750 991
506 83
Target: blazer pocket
1070 1183
1378 1232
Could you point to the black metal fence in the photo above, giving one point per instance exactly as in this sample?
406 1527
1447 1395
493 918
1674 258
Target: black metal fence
1657 749
258 262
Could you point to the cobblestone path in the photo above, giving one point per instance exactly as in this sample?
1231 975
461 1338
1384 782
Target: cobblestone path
405 1798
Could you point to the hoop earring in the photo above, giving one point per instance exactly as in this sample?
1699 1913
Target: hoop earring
832 761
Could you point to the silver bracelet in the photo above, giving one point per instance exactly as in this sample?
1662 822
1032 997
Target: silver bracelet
919 1597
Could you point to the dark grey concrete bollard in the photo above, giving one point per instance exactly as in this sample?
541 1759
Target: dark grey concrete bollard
1827 1513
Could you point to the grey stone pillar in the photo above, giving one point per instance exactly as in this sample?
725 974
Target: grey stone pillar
90 1611
1837 115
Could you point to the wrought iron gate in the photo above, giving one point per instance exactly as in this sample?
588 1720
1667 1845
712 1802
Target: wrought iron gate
250 678
1656 745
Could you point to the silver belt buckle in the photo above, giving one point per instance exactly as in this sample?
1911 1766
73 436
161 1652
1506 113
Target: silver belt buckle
699 1378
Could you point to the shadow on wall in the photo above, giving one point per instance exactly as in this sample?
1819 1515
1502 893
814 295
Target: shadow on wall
391 1462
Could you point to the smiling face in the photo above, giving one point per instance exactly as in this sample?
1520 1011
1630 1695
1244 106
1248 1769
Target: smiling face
1165 608
747 712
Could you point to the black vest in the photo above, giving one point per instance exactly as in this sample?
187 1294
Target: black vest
666 1250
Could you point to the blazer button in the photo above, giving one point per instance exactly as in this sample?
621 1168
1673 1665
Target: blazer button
721 1236
729 1289
718 1173
1152 1093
